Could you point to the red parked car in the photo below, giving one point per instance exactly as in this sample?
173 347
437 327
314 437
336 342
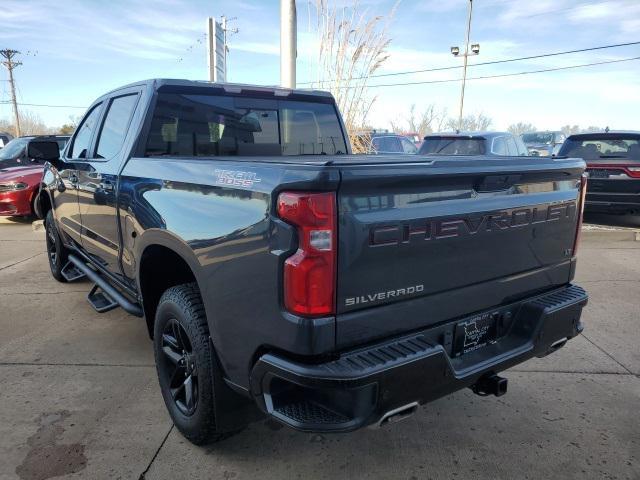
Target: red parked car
21 166
18 188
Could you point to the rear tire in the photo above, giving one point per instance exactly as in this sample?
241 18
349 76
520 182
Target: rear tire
186 364
56 251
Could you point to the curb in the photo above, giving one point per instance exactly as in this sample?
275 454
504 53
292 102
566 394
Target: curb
611 235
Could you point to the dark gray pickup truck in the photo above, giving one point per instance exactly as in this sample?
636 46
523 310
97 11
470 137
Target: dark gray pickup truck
280 275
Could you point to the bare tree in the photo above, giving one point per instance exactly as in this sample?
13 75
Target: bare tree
471 123
353 45
429 120
570 129
573 129
30 124
520 128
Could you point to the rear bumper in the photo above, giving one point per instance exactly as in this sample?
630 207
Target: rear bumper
361 386
607 202
613 195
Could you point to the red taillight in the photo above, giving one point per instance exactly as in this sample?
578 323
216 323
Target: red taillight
309 274
633 172
580 211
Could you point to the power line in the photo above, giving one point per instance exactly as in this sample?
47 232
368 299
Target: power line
494 62
44 105
447 80
529 72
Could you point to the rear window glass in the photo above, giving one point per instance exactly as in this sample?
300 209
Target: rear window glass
606 146
540 138
215 125
386 145
452 146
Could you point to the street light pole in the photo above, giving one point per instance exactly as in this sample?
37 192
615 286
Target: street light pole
455 51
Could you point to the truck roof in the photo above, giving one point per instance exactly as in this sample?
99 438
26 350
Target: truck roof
233 88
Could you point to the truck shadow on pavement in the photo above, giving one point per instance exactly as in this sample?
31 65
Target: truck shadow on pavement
610 220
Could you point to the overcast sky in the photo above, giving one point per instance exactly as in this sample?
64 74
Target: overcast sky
78 50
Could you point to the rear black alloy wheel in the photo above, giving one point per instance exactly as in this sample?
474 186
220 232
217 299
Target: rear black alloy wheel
179 367
188 371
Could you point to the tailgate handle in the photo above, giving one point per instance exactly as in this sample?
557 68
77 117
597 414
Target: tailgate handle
496 183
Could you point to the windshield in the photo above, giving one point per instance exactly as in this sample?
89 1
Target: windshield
538 138
594 147
13 149
452 146
212 125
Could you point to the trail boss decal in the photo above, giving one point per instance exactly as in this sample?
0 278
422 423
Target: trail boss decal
236 178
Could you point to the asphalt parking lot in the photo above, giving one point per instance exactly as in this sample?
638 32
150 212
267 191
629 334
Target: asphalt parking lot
79 396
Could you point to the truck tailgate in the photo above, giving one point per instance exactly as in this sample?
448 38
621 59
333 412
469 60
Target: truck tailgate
422 243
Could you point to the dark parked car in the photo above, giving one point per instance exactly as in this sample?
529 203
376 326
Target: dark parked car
613 165
4 139
473 143
543 144
281 276
14 154
379 143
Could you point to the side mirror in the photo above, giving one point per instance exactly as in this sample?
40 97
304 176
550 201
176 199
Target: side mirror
44 151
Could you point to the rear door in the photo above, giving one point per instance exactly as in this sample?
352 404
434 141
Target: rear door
420 244
98 181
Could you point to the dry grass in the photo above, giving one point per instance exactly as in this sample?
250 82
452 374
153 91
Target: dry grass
353 45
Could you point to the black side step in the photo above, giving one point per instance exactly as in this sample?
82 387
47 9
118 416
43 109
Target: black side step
71 273
111 292
100 300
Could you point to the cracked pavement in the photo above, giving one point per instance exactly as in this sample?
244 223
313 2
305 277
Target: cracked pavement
79 396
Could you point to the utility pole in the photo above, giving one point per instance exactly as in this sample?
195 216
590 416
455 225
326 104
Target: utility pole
288 43
11 64
475 50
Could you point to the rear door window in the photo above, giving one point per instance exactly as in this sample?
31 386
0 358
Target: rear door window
522 148
115 125
499 146
512 148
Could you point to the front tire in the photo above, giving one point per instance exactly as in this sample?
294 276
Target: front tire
56 251
186 364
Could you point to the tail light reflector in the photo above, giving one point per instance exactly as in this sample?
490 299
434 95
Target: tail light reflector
309 274
580 211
